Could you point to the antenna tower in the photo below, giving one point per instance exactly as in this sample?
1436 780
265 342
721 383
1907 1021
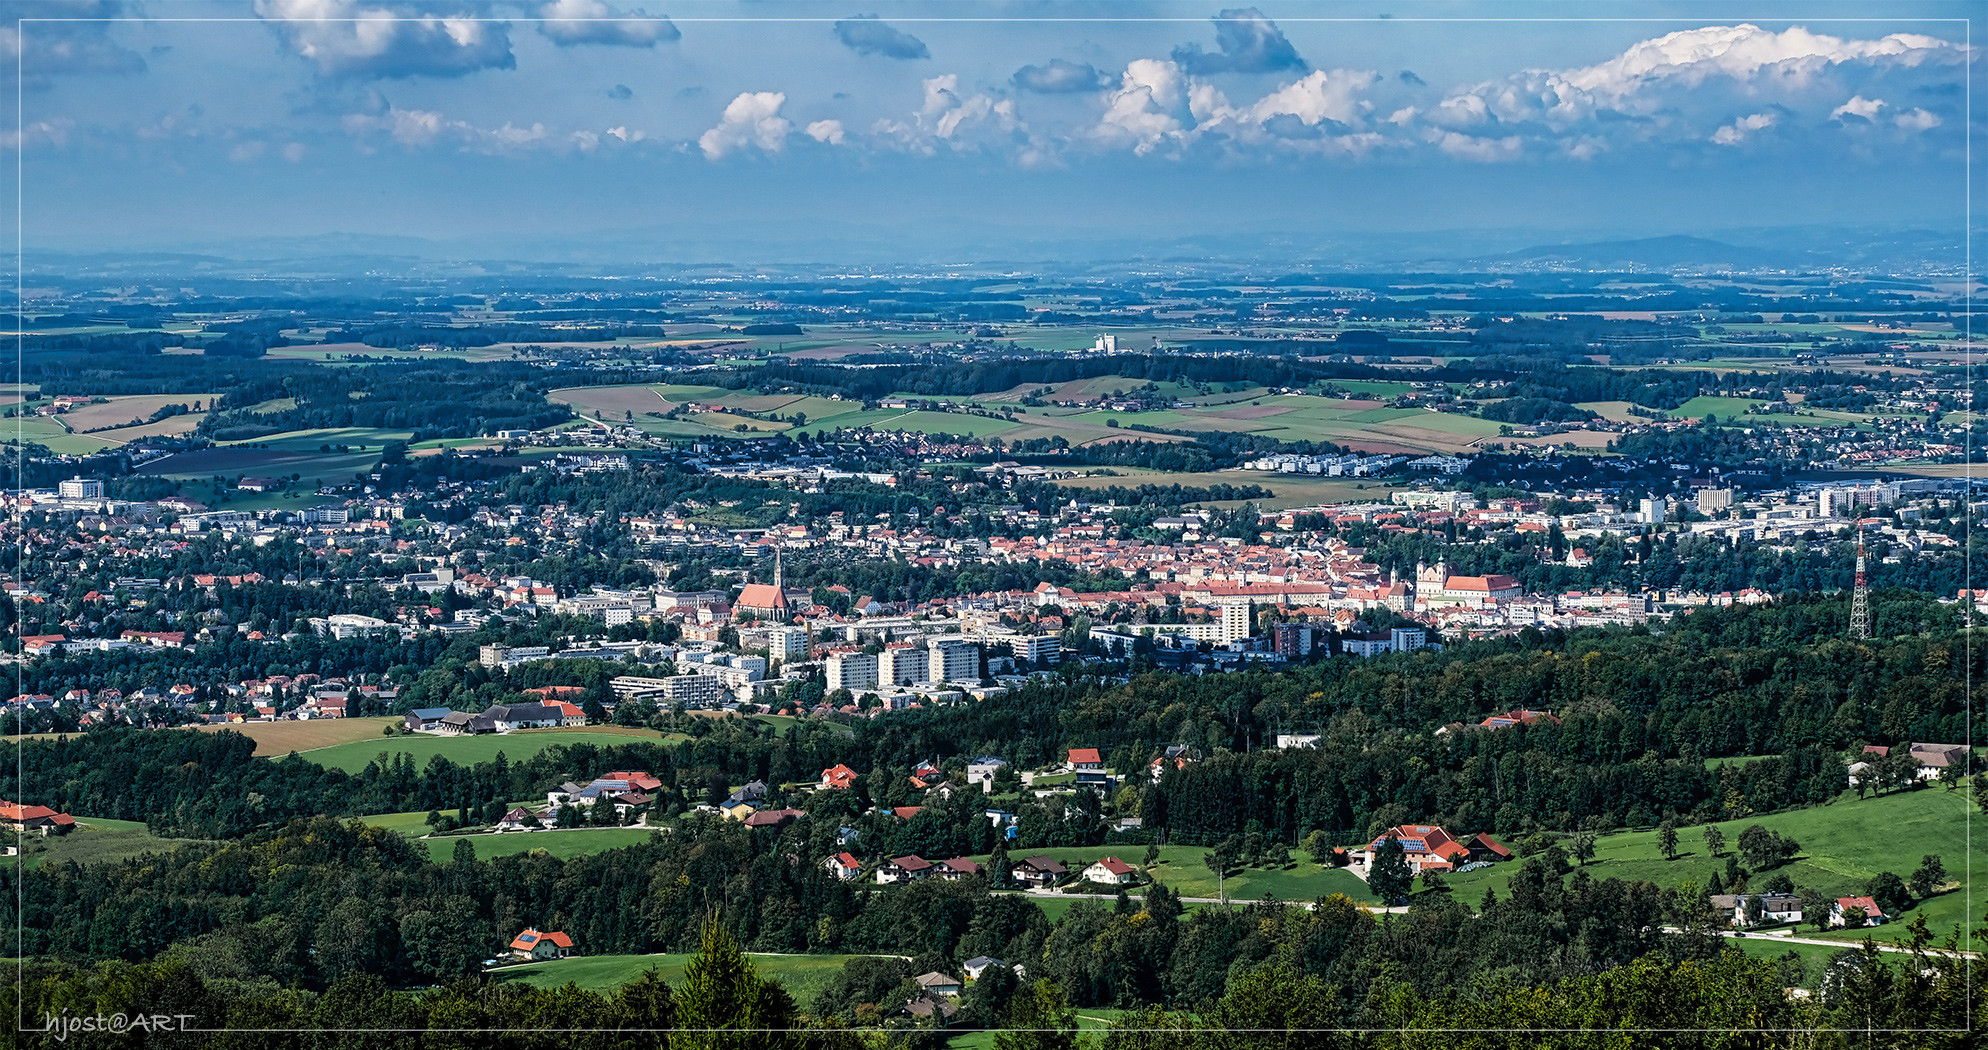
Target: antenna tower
1860 596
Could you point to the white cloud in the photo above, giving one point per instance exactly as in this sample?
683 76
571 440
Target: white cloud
1684 86
954 118
1319 96
829 131
1916 120
1740 52
1858 106
348 38
1473 147
421 128
752 119
568 22
1145 110
625 135
1735 133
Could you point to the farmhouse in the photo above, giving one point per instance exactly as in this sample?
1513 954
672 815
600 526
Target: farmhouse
532 945
40 820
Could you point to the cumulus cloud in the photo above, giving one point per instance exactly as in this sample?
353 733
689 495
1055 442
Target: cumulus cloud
1685 87
1474 147
829 131
868 35
752 119
1249 43
626 135
1916 120
423 128
954 118
65 47
1858 106
568 22
1735 133
350 38
1149 107
1058 77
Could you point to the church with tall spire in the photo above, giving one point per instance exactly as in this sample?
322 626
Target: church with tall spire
765 601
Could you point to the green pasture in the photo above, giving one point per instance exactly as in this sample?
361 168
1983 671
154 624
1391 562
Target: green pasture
1842 846
462 750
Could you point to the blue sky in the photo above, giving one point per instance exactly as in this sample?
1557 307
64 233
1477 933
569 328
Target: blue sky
193 119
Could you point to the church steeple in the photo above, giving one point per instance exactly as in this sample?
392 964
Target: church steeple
779 573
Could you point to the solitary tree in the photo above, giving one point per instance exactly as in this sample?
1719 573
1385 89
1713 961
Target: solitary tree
1390 878
1715 840
1221 860
725 1004
1932 874
1667 838
1583 843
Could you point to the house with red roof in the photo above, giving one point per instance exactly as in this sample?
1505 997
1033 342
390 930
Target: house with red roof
40 820
903 869
1111 872
1086 760
844 866
1430 848
838 778
1839 912
532 944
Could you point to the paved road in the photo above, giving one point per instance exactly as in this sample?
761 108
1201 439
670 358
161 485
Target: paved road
1789 938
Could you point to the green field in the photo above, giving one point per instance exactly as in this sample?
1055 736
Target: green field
560 843
803 976
1843 845
463 750
97 840
43 430
1723 407
1184 870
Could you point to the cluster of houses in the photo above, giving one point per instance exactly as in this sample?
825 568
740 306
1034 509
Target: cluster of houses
1429 847
1930 759
1038 872
1851 912
498 718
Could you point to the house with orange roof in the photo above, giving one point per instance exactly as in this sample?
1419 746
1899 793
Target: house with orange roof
531 945
838 778
38 819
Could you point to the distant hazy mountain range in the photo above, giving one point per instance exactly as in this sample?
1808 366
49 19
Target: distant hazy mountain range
779 246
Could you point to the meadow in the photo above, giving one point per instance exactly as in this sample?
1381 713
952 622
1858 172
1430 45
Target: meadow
462 750
803 976
560 843
1842 846
97 840
1184 870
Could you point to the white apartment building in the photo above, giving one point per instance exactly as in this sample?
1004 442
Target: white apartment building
856 672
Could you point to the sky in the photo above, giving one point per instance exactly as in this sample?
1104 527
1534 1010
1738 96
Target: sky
511 125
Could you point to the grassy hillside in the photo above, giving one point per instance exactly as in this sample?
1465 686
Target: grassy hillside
97 840
1843 845
804 976
463 750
